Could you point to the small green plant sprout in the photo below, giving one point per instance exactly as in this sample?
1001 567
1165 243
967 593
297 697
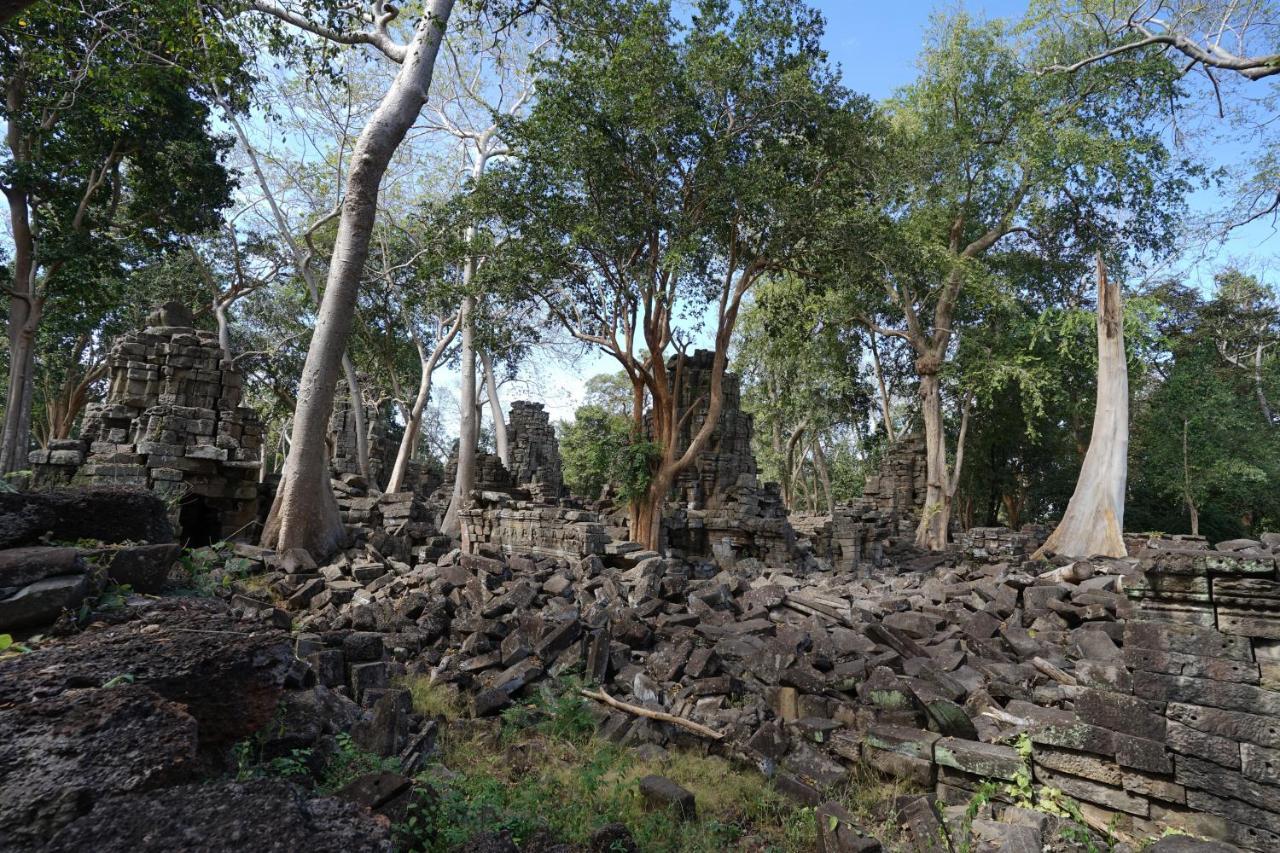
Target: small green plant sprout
9 648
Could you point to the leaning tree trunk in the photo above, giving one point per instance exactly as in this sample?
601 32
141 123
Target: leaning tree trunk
305 513
24 318
500 439
1094 521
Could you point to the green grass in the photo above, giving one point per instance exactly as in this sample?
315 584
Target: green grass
542 770
430 699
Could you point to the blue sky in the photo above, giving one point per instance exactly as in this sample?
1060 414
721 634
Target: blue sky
875 43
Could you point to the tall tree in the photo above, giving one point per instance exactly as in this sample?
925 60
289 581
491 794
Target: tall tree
305 513
108 141
664 168
995 157
1093 524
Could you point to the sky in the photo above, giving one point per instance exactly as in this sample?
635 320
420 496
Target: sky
876 43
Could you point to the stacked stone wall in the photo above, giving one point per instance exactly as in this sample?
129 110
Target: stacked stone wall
171 422
535 452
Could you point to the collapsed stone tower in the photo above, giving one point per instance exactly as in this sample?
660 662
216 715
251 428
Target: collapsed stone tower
171 422
535 452
727 460
720 508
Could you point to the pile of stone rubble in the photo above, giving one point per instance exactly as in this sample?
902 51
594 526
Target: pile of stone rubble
928 676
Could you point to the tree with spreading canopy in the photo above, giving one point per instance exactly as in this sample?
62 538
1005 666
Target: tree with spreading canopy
662 171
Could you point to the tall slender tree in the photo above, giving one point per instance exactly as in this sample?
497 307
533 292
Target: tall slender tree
305 513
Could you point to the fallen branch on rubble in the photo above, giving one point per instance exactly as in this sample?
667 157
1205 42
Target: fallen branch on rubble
1059 675
662 716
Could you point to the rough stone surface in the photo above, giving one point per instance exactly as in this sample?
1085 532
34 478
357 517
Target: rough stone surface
226 816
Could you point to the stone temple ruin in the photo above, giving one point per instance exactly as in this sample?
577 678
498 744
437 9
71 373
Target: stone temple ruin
1146 689
172 422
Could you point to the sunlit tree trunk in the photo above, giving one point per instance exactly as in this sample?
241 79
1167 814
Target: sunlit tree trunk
305 513
500 439
465 479
1093 524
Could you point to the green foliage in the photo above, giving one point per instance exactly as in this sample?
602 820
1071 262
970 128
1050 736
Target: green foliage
598 448
11 648
343 765
1200 435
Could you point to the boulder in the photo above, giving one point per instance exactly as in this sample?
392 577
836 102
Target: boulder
228 675
104 514
59 755
144 568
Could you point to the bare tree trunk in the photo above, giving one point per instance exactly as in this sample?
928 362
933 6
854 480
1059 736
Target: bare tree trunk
361 425
305 513
500 439
936 515
1257 386
25 308
1094 521
820 462
464 482
1186 480
884 391
224 330
413 419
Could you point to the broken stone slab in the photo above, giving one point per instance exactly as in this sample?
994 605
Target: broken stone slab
21 567
42 602
981 759
143 568
914 743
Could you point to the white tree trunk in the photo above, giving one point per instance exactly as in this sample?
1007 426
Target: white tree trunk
1094 521
465 480
361 425
413 423
305 513
500 439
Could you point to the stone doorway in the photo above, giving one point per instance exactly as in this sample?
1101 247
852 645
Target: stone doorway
199 523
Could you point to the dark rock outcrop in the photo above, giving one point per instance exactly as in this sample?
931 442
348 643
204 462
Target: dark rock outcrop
262 815
130 707
105 514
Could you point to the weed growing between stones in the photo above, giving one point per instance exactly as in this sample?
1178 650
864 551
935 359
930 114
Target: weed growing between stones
541 772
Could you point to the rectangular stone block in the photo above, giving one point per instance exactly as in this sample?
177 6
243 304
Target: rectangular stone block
1186 639
1120 713
1196 666
1249 607
914 743
981 759
1264 822
1203 691
1210 747
1094 792
1261 765
1205 776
